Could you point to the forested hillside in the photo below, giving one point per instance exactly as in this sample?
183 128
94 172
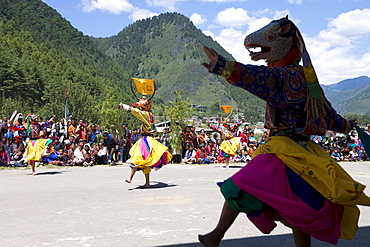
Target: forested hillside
350 96
43 58
169 49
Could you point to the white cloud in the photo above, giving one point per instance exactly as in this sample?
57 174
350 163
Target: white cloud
337 53
223 1
208 33
139 14
168 5
353 23
197 19
298 2
233 17
112 6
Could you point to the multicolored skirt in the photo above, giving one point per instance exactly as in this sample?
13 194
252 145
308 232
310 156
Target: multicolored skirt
147 153
300 185
230 147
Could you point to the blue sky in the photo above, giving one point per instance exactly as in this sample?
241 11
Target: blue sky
336 32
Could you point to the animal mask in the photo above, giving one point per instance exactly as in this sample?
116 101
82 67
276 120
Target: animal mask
272 42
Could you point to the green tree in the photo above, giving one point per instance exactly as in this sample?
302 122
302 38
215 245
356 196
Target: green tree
178 113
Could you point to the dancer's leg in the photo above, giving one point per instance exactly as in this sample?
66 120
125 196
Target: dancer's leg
33 165
147 180
133 171
227 218
227 160
301 239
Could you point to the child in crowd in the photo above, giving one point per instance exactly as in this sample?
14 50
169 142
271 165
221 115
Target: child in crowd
189 155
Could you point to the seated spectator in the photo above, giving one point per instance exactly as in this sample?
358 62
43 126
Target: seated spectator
57 144
353 155
363 155
209 147
213 156
18 158
53 157
243 156
189 155
66 160
88 160
336 155
345 154
78 155
4 156
101 154
201 156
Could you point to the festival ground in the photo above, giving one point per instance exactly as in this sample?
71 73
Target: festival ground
78 206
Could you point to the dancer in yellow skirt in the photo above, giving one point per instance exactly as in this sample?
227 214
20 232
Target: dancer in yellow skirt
147 153
290 179
230 143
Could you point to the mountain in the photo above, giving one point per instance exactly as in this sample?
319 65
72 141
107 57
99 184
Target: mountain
350 95
169 49
345 85
43 58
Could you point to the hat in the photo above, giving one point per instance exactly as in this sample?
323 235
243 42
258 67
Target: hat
105 133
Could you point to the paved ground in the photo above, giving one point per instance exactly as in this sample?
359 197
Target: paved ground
95 207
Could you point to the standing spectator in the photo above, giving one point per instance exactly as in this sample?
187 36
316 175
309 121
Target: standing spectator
92 134
111 143
4 127
81 131
194 137
252 143
61 129
72 127
125 143
202 137
135 136
244 137
165 137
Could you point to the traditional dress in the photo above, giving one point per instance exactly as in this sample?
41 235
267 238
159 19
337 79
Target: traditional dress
230 144
290 178
147 153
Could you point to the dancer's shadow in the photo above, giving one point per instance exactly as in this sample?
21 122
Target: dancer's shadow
157 185
285 240
48 173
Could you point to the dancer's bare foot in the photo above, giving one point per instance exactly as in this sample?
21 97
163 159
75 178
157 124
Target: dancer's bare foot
211 239
34 173
128 181
146 186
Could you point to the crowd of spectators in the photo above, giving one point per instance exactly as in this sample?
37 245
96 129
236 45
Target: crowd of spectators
78 143
73 142
203 147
